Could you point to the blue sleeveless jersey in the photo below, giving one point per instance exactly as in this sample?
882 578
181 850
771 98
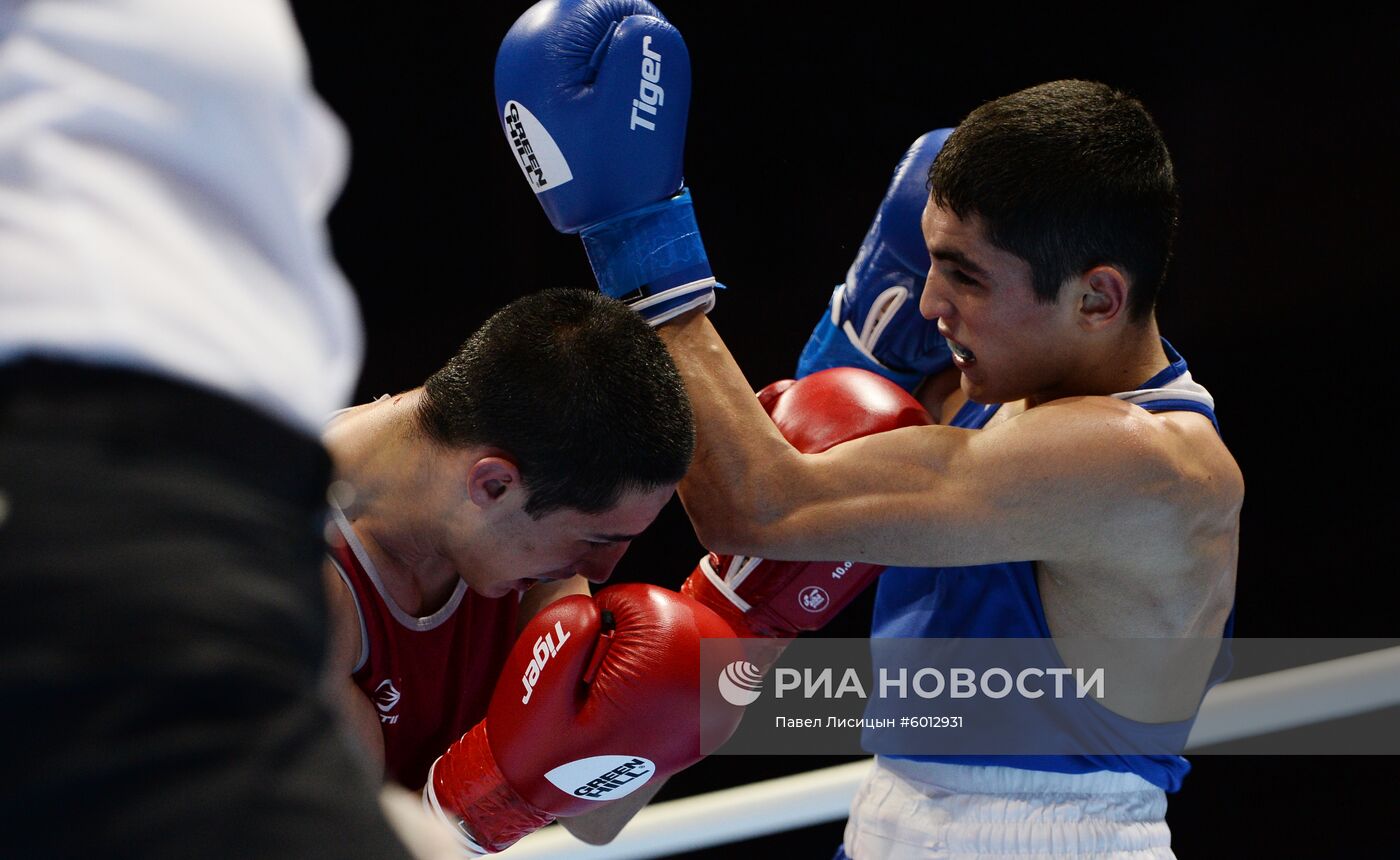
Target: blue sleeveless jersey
1003 601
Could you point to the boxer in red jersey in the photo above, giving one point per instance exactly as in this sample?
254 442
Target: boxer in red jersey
513 477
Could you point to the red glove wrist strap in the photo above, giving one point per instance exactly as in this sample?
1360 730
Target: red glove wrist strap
468 783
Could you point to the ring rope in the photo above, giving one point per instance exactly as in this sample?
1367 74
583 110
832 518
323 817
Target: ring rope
1233 710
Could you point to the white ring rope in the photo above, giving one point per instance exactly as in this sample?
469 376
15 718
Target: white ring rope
1235 709
1299 696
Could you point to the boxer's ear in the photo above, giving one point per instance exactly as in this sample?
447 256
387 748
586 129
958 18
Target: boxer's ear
1101 295
490 479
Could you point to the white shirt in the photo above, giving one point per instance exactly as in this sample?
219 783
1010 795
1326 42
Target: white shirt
165 173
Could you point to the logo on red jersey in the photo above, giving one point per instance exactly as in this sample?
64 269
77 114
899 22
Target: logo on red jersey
385 699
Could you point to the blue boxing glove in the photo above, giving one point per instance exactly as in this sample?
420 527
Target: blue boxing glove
593 95
873 321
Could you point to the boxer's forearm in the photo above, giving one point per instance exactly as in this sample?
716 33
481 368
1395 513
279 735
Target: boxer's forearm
740 457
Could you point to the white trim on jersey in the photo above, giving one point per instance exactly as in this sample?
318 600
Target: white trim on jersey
1181 388
428 622
359 613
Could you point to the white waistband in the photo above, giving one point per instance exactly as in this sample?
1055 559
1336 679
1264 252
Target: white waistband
996 779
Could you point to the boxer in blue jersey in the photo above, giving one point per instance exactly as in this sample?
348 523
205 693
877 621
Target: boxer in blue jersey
1096 463
1077 486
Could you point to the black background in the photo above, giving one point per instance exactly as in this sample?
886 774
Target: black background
1284 134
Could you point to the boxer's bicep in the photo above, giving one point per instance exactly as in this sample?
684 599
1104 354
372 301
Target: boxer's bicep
1050 484
353 708
1071 481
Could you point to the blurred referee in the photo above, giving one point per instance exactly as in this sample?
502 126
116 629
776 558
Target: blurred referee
172 330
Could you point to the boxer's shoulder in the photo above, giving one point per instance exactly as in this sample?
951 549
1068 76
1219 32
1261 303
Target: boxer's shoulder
1178 441
1193 445
1173 538
1162 478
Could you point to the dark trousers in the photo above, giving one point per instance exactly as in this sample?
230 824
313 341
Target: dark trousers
163 629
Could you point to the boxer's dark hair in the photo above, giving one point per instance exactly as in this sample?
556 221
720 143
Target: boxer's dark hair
1067 176
577 389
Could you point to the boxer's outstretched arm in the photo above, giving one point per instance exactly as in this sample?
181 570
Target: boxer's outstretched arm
1058 482
738 449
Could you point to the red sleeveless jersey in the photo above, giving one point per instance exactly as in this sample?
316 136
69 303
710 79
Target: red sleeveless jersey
429 679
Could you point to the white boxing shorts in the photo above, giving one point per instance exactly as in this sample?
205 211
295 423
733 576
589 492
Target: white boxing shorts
911 809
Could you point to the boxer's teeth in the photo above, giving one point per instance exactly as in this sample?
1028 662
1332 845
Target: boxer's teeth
961 351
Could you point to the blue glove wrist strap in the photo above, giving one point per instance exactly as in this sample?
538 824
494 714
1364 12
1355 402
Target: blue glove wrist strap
653 259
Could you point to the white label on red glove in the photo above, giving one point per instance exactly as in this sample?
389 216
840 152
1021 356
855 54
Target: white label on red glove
602 777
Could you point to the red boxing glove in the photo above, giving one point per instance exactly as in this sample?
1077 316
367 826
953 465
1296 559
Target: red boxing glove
599 696
781 598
